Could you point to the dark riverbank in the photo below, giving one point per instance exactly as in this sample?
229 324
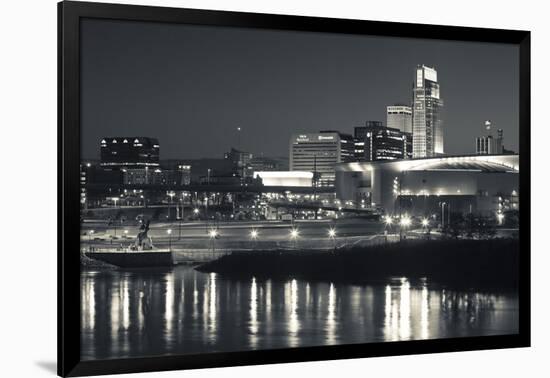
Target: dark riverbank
474 263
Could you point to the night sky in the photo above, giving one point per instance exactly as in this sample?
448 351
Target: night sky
192 86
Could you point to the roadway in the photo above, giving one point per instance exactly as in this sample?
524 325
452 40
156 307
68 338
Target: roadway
234 233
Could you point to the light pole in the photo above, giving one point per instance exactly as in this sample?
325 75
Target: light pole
90 233
404 223
181 216
169 232
294 236
171 195
388 221
425 222
332 235
425 225
254 236
443 214
238 137
213 235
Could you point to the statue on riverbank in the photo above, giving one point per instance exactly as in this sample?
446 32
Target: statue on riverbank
143 241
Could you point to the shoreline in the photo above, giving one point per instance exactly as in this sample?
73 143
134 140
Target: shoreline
492 263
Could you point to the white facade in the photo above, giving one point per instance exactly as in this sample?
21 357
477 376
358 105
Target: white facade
285 178
399 117
319 153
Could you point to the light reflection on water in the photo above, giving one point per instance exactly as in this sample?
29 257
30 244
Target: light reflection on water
178 311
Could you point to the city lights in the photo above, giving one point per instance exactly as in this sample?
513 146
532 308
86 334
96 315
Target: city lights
294 233
388 220
213 233
332 233
254 234
425 222
405 221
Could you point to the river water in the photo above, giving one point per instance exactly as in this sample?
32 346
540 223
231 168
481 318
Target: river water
182 311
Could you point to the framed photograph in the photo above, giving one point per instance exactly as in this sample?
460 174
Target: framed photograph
241 188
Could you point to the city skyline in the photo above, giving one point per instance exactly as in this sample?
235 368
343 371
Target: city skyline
355 89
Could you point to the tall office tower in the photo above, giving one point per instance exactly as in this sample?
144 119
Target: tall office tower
319 153
399 117
427 107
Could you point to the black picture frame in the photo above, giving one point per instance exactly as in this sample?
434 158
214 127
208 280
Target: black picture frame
69 16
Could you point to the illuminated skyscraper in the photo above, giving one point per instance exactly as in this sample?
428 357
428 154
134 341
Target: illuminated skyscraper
427 106
399 117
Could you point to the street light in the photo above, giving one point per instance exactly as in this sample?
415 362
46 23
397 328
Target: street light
404 222
171 195
425 222
254 236
213 233
294 236
169 232
388 220
443 214
332 235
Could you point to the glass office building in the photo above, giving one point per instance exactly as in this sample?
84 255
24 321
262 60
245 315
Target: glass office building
319 153
427 107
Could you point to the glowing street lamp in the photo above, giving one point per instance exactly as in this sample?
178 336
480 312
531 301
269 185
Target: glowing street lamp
169 232
294 236
213 234
425 222
388 220
171 195
90 235
254 236
332 235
